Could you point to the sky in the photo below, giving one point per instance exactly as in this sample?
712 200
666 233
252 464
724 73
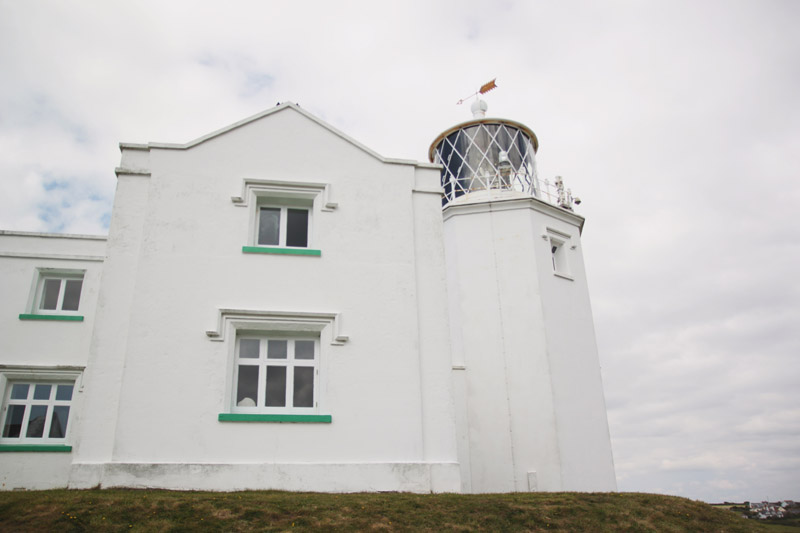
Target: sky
676 122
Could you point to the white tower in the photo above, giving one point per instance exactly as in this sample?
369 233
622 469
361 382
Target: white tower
528 393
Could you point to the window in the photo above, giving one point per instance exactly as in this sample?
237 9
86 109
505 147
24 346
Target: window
557 255
282 215
559 245
56 295
283 226
276 375
36 412
59 293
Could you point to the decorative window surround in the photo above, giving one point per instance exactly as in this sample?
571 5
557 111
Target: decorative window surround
254 320
54 377
48 296
253 188
276 374
261 196
558 242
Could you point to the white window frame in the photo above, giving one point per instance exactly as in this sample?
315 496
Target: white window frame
44 274
256 193
324 327
558 244
283 206
262 362
33 378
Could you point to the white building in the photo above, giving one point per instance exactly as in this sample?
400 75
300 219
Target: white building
277 306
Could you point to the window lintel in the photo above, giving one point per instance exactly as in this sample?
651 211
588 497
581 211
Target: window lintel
265 321
255 189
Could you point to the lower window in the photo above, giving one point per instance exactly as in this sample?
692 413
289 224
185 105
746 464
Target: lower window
36 412
276 375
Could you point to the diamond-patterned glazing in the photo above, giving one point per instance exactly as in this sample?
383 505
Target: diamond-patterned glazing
472 162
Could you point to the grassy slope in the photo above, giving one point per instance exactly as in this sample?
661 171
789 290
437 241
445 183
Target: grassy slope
151 510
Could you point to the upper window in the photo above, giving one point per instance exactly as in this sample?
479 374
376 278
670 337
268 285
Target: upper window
59 292
283 226
282 215
36 412
276 375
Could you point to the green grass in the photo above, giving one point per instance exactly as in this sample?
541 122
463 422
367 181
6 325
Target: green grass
157 510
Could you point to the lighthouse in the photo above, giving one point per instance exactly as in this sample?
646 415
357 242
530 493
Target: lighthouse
529 405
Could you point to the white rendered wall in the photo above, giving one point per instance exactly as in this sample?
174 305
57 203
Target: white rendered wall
157 382
529 400
37 346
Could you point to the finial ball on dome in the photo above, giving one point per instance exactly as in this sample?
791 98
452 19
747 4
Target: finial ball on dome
479 108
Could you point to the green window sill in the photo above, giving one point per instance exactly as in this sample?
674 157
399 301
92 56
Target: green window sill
302 419
280 251
35 448
65 318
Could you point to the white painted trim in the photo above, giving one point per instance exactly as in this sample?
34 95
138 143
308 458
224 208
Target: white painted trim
53 235
271 320
564 241
44 368
261 187
62 274
41 373
529 202
276 109
131 172
64 257
548 231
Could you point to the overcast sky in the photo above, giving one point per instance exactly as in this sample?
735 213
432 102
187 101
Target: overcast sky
677 123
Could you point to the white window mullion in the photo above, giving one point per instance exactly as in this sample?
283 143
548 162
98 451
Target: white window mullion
262 374
316 374
37 303
290 364
48 419
289 381
23 431
62 288
283 225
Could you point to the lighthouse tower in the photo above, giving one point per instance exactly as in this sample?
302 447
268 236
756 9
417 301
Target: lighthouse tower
528 394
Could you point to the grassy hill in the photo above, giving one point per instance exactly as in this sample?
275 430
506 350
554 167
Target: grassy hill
156 510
